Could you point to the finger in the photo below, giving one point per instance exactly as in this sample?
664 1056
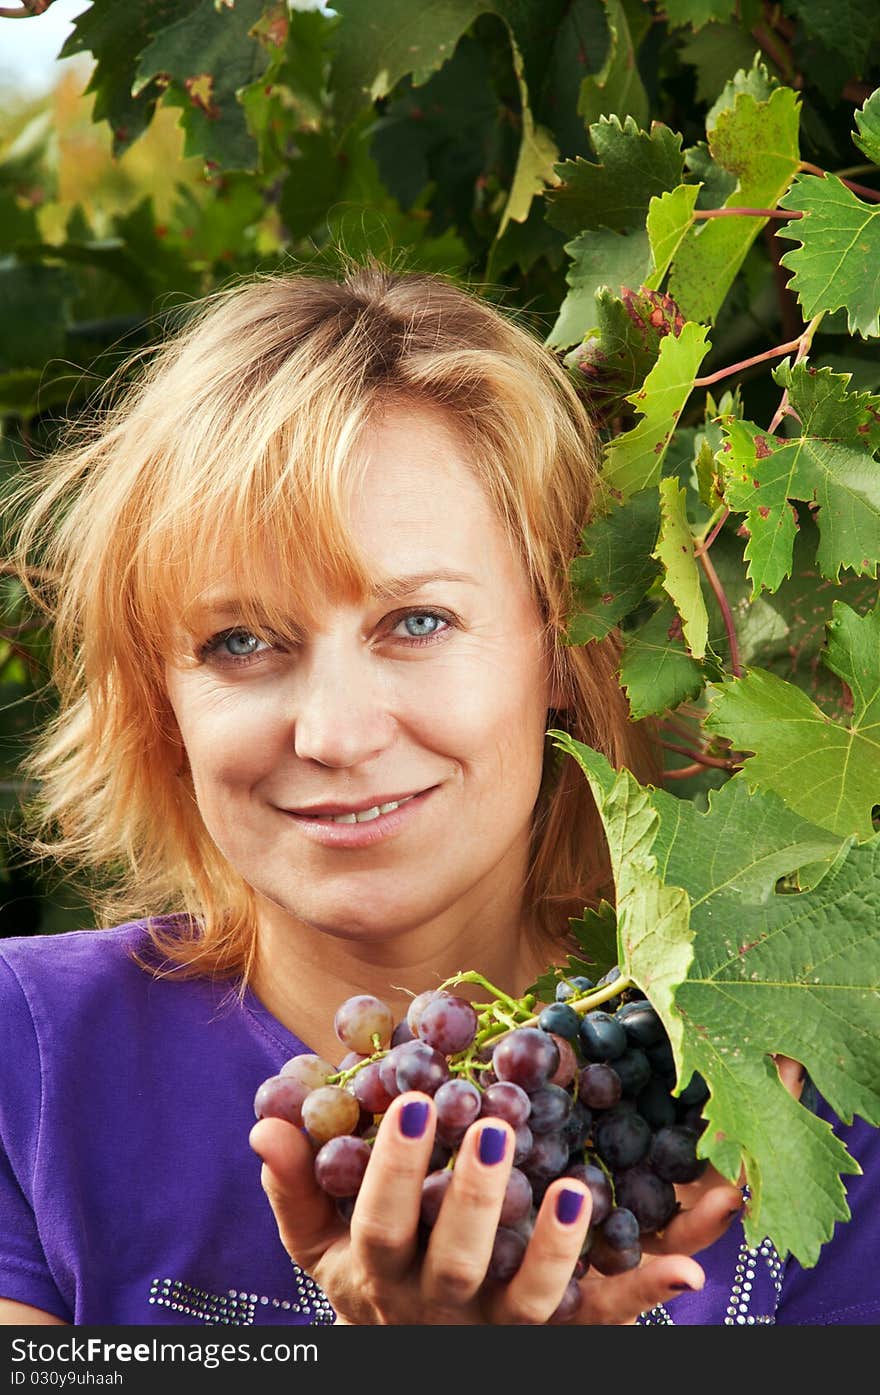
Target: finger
561 1226
698 1226
306 1216
385 1220
622 1298
461 1241
791 1073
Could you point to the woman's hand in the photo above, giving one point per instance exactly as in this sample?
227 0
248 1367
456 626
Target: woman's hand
374 1272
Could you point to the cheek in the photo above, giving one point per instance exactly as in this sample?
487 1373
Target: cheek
492 718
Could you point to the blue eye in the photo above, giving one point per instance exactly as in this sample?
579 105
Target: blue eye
422 624
232 647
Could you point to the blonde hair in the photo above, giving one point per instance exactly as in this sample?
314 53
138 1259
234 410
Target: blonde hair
242 435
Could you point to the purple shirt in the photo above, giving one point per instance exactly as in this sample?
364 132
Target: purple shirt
129 1193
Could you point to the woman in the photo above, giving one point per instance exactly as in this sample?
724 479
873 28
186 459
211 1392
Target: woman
311 583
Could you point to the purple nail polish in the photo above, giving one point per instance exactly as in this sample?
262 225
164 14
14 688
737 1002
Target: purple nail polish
493 1143
569 1205
414 1119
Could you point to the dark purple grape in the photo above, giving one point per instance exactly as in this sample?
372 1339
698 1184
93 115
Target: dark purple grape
560 1019
651 1199
518 1197
440 1155
621 1138
340 1165
600 1187
448 1023
402 1032
621 1229
433 1191
576 987
569 1304
599 1086
551 1106
527 1056
458 1105
692 1118
420 1067
548 1157
281 1097
504 1100
695 1092
578 1126
523 1143
507 1254
345 1208
567 1069
662 1059
641 1023
673 1154
609 1261
656 1104
634 1070
367 1087
602 1037
388 1070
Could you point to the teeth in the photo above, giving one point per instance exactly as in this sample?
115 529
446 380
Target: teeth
367 814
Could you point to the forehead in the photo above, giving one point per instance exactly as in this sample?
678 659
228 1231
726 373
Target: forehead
417 517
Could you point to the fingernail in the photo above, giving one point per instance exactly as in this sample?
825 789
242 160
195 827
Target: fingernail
493 1144
569 1205
735 1212
682 1288
414 1119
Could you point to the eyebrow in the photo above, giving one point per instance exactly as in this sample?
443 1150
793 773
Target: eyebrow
385 589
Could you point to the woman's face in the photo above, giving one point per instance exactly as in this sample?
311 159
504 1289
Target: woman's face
435 693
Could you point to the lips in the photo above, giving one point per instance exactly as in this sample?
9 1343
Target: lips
326 811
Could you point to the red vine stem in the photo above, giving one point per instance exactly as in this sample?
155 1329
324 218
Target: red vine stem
28 8
700 756
748 362
684 773
743 213
724 607
707 542
804 343
862 189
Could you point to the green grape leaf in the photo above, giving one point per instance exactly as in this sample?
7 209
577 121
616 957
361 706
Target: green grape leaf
35 303
845 26
758 142
619 355
596 936
633 461
681 577
633 166
759 973
617 88
669 217
696 13
838 262
538 154
210 55
614 568
378 44
828 464
868 124
827 771
116 35
717 53
784 632
599 257
656 669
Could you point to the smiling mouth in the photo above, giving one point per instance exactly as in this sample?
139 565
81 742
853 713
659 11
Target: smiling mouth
361 816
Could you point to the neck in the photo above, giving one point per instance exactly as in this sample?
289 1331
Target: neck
304 972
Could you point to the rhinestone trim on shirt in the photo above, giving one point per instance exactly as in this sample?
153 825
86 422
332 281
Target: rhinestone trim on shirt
738 1311
236 1308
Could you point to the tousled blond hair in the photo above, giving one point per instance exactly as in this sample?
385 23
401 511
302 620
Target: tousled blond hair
241 438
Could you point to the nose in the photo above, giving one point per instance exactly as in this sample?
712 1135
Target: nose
343 713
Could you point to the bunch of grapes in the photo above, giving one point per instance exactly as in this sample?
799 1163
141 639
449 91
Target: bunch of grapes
585 1083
